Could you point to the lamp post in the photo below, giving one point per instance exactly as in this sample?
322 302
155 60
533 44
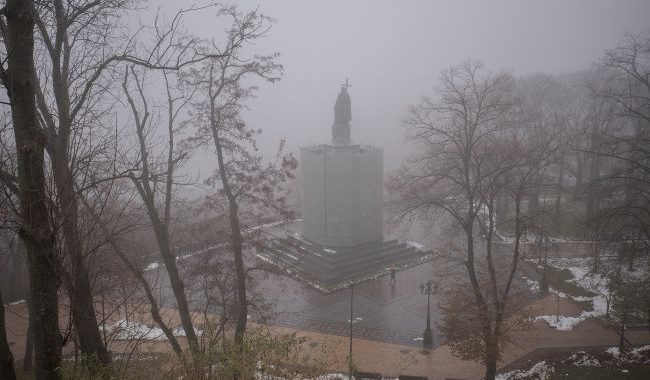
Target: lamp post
427 336
351 321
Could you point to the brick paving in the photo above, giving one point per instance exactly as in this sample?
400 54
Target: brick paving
391 359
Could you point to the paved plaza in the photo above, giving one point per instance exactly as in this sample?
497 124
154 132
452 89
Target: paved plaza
384 311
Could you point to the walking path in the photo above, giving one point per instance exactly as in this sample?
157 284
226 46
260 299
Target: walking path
392 359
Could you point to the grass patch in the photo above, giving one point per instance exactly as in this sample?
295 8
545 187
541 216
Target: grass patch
634 372
138 367
585 305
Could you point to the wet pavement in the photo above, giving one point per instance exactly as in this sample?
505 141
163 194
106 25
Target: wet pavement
385 311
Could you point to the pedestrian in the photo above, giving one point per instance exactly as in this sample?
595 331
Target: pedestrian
392 276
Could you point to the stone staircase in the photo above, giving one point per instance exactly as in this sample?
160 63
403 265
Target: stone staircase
329 267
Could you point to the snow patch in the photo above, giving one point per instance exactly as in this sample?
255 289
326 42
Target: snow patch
587 361
541 370
415 244
534 285
131 330
152 266
639 350
562 323
613 351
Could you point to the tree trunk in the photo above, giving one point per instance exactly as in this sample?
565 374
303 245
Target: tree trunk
178 288
35 229
6 357
580 169
491 358
596 254
160 224
621 342
559 187
29 346
593 189
139 276
85 320
84 317
502 209
236 240
242 301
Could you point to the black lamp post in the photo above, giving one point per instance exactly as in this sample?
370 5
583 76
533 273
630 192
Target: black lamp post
427 337
351 321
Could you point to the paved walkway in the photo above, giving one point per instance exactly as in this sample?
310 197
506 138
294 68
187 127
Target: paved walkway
390 312
391 359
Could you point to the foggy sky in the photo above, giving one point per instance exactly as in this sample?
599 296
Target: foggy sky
393 52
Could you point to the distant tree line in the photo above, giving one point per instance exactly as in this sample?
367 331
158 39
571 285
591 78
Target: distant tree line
508 158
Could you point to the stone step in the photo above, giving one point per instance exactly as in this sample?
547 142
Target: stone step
399 257
339 250
330 276
350 260
318 264
360 261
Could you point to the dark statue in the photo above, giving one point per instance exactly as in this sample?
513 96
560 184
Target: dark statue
342 117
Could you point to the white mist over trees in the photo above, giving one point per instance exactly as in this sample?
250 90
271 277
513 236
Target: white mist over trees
547 155
106 119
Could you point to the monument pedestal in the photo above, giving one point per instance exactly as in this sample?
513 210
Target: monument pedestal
340 239
332 268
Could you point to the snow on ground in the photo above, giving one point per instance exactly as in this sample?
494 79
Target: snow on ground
640 350
152 266
155 264
562 323
595 283
534 285
640 355
268 225
131 330
613 351
329 376
332 376
541 369
585 360
417 245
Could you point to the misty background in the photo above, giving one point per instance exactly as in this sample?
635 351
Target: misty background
393 52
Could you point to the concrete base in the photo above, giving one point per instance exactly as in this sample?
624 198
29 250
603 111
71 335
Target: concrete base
331 268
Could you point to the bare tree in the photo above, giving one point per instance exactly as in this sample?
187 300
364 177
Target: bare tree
628 142
153 180
35 230
82 48
460 169
243 178
137 271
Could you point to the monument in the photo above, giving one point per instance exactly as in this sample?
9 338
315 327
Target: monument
341 236
342 197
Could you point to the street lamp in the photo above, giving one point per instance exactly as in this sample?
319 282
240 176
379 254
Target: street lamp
427 337
351 321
